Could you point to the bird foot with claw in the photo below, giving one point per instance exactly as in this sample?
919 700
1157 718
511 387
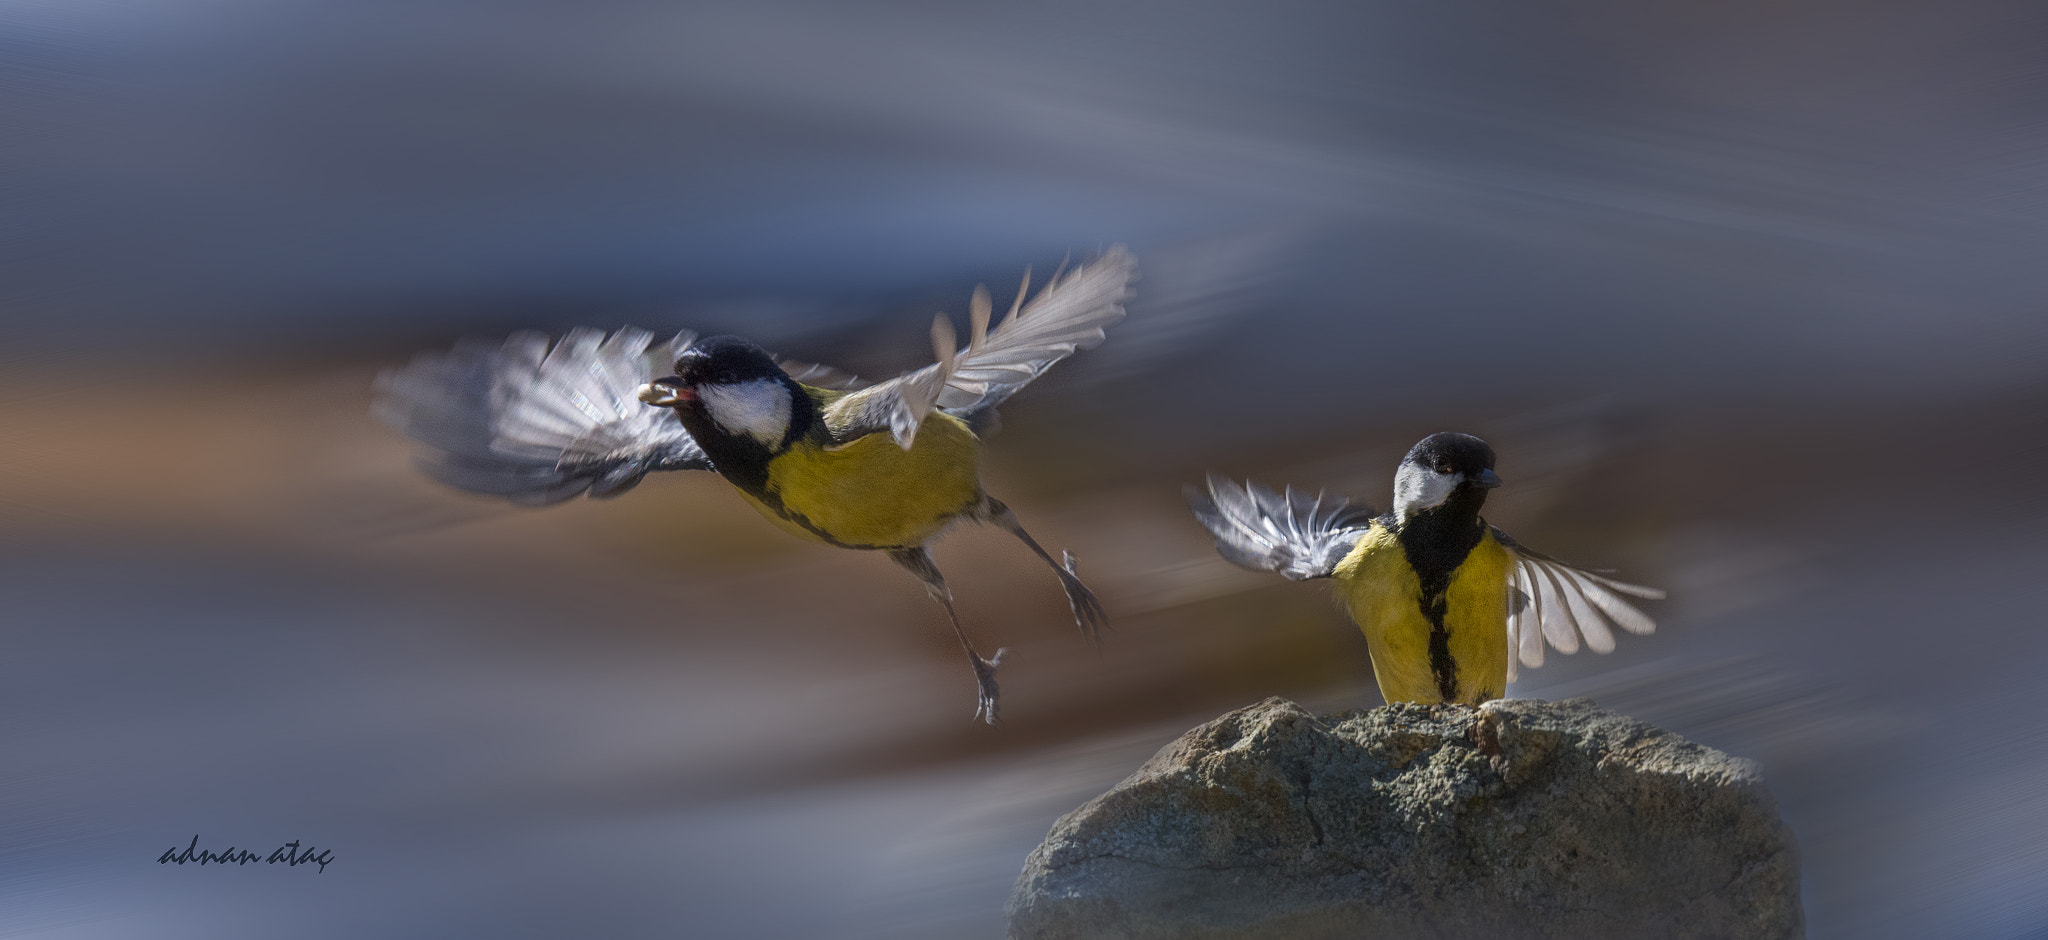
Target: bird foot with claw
1088 613
985 678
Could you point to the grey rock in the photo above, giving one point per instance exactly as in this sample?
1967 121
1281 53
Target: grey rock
1514 819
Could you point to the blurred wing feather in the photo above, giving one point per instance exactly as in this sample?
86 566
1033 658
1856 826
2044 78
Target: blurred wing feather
1069 313
539 425
820 376
1298 535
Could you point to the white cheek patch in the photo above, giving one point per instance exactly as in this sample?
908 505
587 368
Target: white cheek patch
1417 489
758 409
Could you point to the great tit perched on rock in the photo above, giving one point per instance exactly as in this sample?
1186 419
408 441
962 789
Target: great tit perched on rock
886 467
1447 602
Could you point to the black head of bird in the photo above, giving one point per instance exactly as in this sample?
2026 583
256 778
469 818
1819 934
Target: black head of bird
731 394
723 360
1444 470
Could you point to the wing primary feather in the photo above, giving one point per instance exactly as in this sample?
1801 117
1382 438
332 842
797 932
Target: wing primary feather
1591 627
1023 288
1557 625
977 315
1531 630
1647 593
1514 626
945 342
1620 611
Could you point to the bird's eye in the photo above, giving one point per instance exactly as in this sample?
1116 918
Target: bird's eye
1446 468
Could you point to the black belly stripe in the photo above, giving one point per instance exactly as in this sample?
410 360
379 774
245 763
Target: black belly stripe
1441 663
1436 542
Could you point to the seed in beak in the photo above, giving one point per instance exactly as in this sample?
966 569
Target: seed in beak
661 394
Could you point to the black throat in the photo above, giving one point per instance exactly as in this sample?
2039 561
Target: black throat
740 458
1436 541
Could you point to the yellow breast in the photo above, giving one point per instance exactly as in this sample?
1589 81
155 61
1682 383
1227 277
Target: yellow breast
1384 597
870 493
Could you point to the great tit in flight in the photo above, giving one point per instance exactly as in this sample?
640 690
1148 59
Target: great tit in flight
885 467
1447 603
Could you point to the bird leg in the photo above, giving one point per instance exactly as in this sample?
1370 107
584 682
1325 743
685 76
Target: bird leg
919 561
1088 613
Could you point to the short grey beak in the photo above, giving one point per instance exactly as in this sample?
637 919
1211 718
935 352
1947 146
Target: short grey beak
1486 480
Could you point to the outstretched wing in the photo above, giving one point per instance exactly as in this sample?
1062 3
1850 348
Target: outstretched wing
1069 313
1551 600
1293 533
539 425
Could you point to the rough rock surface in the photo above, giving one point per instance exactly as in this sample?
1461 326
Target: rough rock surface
1514 819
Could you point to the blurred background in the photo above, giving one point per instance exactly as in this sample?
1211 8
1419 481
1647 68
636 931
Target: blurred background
1749 297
